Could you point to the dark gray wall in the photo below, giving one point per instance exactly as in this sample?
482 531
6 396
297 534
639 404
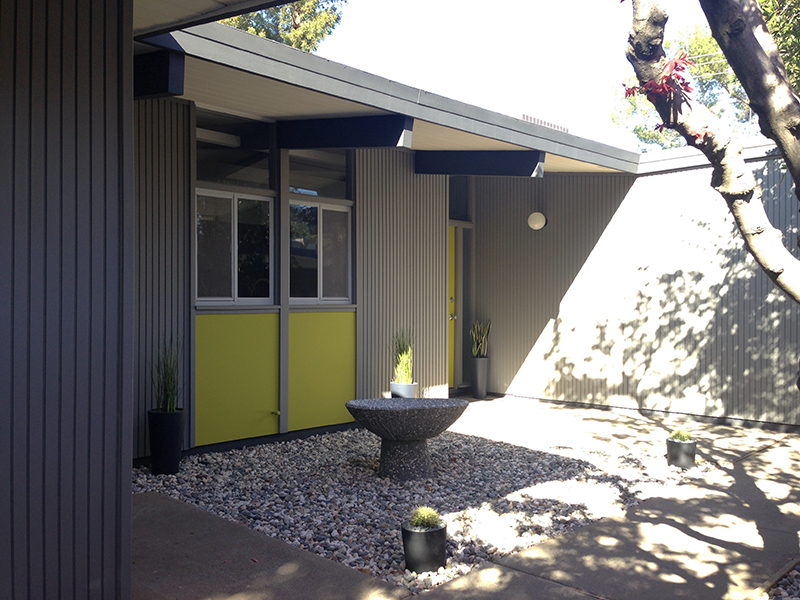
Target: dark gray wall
637 294
66 296
164 143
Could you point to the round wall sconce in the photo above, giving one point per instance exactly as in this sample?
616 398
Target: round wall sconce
536 221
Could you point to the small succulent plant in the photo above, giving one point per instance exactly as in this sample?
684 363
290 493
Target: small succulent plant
425 517
479 332
403 358
681 435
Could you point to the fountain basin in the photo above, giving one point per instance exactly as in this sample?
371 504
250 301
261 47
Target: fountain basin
404 426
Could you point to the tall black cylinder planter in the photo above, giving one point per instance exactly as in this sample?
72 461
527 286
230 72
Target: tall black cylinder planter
166 440
681 454
480 373
426 550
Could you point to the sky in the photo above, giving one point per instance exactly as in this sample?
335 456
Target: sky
513 56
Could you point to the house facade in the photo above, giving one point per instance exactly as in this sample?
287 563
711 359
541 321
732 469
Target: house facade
378 210
280 217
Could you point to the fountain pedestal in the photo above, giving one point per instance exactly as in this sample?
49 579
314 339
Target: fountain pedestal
405 425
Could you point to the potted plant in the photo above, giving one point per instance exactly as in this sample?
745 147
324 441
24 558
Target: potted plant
403 384
166 421
425 540
681 448
480 362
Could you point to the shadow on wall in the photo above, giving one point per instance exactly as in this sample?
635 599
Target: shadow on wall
671 313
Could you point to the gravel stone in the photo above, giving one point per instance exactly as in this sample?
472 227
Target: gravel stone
323 494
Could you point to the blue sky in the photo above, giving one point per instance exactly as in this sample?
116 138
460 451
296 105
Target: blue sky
513 57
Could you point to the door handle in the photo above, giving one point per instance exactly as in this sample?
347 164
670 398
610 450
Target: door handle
453 317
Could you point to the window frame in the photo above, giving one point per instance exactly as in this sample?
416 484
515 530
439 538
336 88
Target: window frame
323 204
234 300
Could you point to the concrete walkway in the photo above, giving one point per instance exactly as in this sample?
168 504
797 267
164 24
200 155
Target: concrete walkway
725 536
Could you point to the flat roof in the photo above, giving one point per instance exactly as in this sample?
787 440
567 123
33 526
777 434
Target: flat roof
261 79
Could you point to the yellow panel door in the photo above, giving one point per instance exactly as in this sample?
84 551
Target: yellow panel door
451 304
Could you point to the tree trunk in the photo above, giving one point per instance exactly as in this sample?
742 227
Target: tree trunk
763 77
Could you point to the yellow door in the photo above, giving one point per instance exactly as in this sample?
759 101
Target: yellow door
451 304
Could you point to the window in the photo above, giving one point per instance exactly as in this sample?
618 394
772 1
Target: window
233 248
320 173
319 248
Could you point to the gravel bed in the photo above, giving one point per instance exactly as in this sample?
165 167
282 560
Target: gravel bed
323 495
788 587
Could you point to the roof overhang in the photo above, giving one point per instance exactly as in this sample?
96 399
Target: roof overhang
264 80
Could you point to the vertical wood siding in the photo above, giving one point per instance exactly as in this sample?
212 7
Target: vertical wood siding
164 156
66 272
521 275
635 294
401 281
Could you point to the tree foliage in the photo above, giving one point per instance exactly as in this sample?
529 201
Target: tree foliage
783 21
302 24
714 85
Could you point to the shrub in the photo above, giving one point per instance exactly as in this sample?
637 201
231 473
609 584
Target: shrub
425 517
681 435
403 358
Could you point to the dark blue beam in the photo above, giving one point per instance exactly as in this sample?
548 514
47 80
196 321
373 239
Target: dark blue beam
505 163
158 74
384 131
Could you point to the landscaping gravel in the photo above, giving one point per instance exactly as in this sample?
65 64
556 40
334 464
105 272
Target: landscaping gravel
323 494
788 587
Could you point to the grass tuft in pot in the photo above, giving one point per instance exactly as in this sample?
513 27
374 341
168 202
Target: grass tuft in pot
425 540
681 435
479 332
166 378
681 449
403 358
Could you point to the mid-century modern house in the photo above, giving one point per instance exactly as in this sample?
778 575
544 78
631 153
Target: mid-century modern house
280 217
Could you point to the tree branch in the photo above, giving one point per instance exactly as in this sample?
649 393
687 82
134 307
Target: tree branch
738 27
701 129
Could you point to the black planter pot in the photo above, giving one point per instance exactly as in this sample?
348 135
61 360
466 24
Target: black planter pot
681 454
166 440
425 550
480 373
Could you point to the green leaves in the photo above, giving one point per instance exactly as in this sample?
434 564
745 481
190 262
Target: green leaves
166 378
302 24
480 338
425 517
783 21
403 357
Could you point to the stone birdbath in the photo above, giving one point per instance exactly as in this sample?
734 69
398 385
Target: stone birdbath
404 426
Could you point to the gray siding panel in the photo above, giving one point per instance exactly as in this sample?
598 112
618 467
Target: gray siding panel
65 260
521 275
401 281
636 294
163 142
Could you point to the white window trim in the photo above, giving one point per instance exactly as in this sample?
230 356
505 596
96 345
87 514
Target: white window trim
234 197
338 206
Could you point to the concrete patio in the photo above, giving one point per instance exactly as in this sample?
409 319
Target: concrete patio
725 535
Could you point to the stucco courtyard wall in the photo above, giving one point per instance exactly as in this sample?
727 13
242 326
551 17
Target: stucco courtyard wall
637 293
